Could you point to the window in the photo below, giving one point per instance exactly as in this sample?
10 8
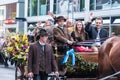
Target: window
104 4
44 7
68 6
92 4
98 4
34 7
28 7
55 7
82 5
38 7
63 6
115 4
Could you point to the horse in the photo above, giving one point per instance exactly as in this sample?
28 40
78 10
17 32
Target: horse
109 57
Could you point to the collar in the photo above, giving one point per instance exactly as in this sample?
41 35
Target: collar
41 43
61 27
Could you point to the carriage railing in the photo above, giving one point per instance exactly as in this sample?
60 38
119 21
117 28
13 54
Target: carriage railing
110 76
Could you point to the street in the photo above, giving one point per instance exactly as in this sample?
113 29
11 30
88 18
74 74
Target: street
7 73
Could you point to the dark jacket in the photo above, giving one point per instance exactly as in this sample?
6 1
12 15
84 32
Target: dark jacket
92 31
79 39
35 58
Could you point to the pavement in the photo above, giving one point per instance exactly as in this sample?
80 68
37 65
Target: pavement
7 73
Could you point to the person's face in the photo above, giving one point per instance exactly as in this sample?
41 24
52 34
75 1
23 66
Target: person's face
48 23
79 26
61 23
43 39
98 23
69 24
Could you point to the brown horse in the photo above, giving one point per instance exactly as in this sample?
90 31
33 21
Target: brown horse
109 57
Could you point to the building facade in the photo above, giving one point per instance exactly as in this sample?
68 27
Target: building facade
2 29
13 12
37 10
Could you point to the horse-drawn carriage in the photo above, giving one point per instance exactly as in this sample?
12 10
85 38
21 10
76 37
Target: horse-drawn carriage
90 60
90 70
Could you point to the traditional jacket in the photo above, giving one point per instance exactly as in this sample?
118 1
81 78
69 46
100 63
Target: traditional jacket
39 60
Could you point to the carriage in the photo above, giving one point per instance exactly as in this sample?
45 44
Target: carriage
91 57
87 57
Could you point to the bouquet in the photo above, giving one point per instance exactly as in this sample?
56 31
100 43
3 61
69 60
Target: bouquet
17 48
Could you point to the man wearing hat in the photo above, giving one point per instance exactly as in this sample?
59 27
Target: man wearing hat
60 33
61 37
41 60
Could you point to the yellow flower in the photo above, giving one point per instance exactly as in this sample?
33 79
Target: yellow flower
10 48
24 38
18 47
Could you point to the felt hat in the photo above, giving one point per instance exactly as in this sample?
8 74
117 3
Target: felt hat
59 18
43 32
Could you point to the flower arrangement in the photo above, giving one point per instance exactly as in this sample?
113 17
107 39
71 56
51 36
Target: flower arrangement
17 47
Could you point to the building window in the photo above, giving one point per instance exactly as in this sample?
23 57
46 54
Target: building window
38 7
104 4
98 4
29 7
68 6
82 5
115 4
34 7
55 7
92 4
44 7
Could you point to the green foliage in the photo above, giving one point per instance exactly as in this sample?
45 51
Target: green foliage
81 65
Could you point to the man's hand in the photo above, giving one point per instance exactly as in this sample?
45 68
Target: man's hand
51 14
30 75
91 16
57 74
69 42
38 24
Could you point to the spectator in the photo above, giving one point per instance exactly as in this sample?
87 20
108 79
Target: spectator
61 36
96 32
49 28
41 60
62 39
36 29
69 22
79 33
69 25
3 44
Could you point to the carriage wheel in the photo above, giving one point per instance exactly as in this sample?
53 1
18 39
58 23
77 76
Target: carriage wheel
15 72
19 72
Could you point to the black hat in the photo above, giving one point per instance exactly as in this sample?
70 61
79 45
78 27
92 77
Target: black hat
59 18
43 32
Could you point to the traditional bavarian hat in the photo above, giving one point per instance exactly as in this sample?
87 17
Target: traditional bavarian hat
43 32
59 18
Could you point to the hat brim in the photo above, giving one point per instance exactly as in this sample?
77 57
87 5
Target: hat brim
60 18
44 34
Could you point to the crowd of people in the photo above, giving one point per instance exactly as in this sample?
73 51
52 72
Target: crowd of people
62 34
